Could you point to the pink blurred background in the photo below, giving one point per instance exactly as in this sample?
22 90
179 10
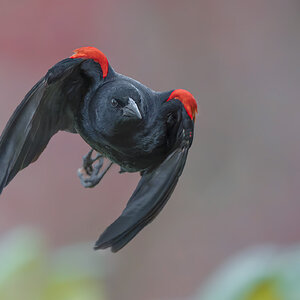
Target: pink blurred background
240 187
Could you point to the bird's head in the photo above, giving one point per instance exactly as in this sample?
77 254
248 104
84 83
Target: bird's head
118 107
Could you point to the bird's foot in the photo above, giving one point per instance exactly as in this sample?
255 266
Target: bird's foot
89 174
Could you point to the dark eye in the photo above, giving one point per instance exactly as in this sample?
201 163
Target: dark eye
114 103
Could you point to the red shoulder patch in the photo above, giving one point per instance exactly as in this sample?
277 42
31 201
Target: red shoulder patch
92 53
188 101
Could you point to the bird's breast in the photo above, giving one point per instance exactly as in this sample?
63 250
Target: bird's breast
132 158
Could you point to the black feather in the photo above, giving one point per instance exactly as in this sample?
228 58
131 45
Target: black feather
46 109
148 199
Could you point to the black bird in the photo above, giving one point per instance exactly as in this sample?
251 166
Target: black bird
133 126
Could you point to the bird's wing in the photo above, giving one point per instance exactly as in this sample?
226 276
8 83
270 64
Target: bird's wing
150 196
50 106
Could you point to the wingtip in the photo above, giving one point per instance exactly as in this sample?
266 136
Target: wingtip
101 245
3 184
96 247
104 247
114 243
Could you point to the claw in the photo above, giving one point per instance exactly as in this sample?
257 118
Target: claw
88 162
90 174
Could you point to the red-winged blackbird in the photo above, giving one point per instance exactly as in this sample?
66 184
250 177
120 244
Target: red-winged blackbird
133 126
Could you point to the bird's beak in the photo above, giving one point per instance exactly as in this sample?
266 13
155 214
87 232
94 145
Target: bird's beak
131 110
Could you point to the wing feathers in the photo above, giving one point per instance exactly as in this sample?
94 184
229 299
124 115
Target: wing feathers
150 196
14 137
46 109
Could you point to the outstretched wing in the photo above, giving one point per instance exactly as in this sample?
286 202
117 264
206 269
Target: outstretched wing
50 106
151 194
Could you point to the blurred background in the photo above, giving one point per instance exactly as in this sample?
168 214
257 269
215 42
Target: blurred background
240 187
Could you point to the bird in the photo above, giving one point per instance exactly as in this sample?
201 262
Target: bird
122 120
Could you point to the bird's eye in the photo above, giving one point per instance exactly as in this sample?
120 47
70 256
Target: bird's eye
114 103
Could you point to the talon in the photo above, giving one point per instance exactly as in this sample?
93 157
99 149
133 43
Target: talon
89 174
88 162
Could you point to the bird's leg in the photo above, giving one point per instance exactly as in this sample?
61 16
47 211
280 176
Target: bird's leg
90 174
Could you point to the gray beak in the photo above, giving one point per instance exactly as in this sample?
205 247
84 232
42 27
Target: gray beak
131 110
